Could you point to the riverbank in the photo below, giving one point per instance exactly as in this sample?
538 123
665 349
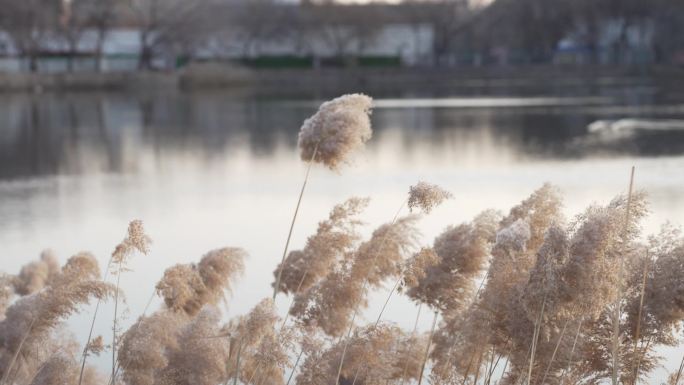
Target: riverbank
202 77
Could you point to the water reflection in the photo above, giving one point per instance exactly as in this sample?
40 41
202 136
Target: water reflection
86 133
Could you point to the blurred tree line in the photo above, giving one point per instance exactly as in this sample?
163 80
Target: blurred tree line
463 32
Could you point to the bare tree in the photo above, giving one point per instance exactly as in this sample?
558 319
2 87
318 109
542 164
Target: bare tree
71 28
346 29
28 23
173 25
101 16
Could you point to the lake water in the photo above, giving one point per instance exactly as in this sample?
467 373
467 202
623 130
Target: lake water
215 169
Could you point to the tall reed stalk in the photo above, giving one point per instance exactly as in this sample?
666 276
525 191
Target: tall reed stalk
344 349
427 349
572 352
84 355
555 350
237 363
413 334
478 366
679 372
490 374
114 323
356 310
535 338
118 364
638 325
16 353
618 301
294 219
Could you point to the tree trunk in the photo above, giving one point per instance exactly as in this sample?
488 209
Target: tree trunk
99 46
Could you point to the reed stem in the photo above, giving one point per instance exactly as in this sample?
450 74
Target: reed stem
299 357
276 288
638 325
237 363
118 364
114 326
488 380
84 356
555 350
679 372
478 366
344 350
16 354
618 301
535 337
427 349
382 244
572 352
413 333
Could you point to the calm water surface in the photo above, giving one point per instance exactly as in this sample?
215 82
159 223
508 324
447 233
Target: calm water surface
211 170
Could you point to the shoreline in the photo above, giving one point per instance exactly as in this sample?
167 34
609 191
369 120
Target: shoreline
212 77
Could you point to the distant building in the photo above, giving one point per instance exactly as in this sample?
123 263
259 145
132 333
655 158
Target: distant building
282 35
616 43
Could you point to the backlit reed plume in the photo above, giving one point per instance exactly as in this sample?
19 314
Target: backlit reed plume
335 237
35 275
340 127
62 368
135 240
30 319
426 196
513 255
188 288
6 293
654 312
259 350
331 303
463 252
449 285
381 350
664 297
146 344
199 355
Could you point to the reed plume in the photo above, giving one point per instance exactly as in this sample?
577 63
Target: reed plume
35 275
381 350
197 357
426 196
331 303
341 126
31 318
462 252
262 347
135 240
188 288
335 237
6 293
146 344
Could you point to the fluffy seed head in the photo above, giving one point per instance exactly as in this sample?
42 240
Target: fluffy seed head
145 346
35 275
463 252
426 196
340 127
334 238
188 288
135 239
